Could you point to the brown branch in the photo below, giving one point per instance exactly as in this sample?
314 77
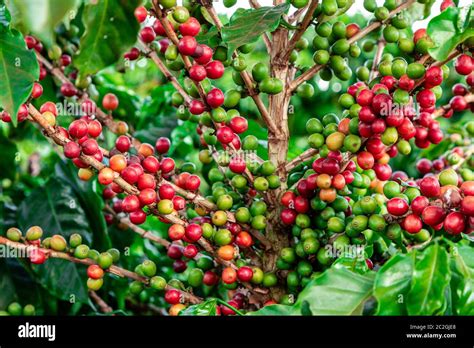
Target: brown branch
302 28
364 32
103 306
377 58
300 159
246 76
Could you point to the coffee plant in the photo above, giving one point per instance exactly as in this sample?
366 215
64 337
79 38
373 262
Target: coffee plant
300 158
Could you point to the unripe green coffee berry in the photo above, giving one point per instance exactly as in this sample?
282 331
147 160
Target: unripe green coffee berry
354 50
324 29
195 277
105 260
391 34
321 57
370 5
320 43
136 287
269 280
415 70
29 310
259 222
158 283
406 45
34 233
260 184
149 268
81 252
180 14
381 13
58 243
340 47
14 309
363 73
167 4
14 234
305 90
95 284
448 177
165 206
75 240
339 30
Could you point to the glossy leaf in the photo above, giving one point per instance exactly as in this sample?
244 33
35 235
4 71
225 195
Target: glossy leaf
279 310
392 284
462 281
248 25
430 279
111 29
448 30
42 17
19 68
206 308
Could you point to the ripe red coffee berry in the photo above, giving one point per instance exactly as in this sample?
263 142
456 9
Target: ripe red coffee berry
137 217
197 73
206 54
130 203
288 216
72 150
365 97
197 107
179 203
397 206
78 129
433 76
191 27
430 187
426 98
190 251
412 224
193 182
162 145
193 232
365 160
458 103
110 102
424 166
90 147
173 296
237 165
225 135
37 90
245 274
95 272
467 205
147 34
433 215
151 164
167 165
464 64
140 14
37 257
215 98
455 223
187 45
147 196
68 90
215 69
238 124
130 175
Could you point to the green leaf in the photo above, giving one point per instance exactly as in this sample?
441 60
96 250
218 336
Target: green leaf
430 278
462 281
392 284
210 38
448 30
337 291
248 25
5 17
19 68
42 17
111 29
206 308
419 11
276 310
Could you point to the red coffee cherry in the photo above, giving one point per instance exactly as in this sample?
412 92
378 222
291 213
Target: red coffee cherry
365 160
130 204
245 274
90 147
147 35
193 232
433 215
412 224
137 217
464 64
167 165
191 27
110 102
37 90
140 14
455 223
206 55
288 216
215 69
430 187
238 124
173 296
197 73
37 256
78 129
72 150
95 272
197 107
193 182
397 206
187 45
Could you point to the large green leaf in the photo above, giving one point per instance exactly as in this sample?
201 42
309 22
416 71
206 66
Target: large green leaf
19 68
111 29
418 11
462 281
248 25
392 284
206 308
449 29
430 279
41 17
337 291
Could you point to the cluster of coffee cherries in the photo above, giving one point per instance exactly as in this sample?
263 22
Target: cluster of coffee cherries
75 248
445 202
16 309
452 157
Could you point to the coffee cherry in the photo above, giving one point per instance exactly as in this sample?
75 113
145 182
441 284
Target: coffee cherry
412 224
193 182
426 98
68 90
95 284
187 45
78 129
37 257
105 260
173 296
215 69
37 90
397 206
95 272
454 223
58 243
167 165
215 98
197 73
147 35
191 27
110 102
430 187
14 234
140 14
433 215
464 65
130 204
